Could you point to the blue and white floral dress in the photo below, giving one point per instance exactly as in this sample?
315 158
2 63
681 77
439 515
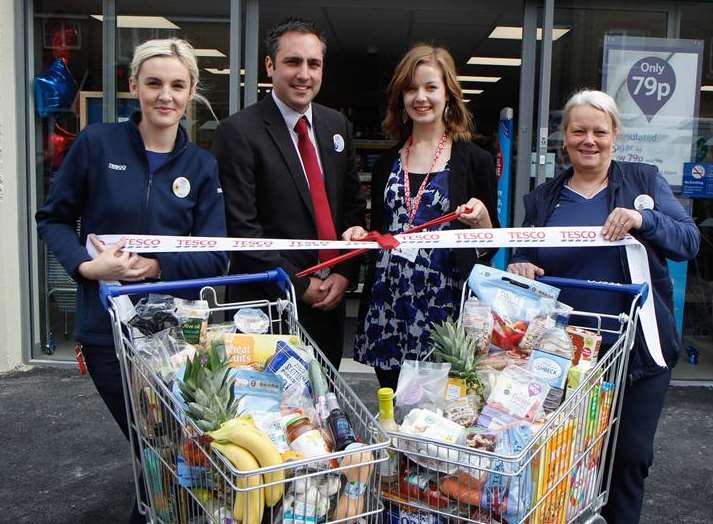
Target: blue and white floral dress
407 297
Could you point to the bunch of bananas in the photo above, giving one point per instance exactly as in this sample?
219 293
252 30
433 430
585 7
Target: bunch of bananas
248 449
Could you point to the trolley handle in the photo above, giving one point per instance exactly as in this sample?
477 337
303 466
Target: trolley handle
572 283
278 276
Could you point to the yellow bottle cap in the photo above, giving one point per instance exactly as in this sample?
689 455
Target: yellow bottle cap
385 394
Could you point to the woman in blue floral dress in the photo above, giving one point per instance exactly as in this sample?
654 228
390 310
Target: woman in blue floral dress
435 170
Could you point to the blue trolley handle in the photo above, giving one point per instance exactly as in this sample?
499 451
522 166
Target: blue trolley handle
278 276
572 283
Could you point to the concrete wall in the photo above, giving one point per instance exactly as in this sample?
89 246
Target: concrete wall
11 336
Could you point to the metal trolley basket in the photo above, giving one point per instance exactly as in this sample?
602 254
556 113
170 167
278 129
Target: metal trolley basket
180 478
559 475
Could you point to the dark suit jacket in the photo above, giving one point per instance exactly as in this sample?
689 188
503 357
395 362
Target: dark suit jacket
266 191
472 174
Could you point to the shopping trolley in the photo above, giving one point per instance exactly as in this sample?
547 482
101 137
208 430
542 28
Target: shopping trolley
180 478
558 474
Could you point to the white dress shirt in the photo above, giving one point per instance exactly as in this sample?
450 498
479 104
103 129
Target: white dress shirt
291 117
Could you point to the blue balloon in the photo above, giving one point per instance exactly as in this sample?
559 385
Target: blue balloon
54 89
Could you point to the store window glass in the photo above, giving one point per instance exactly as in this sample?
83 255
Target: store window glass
367 39
697 296
577 54
67 55
206 25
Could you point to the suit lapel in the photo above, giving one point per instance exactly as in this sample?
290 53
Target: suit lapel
277 130
326 155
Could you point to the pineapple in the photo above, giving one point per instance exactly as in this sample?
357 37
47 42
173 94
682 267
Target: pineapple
452 344
208 390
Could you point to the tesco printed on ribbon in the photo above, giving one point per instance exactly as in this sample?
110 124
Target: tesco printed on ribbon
579 235
535 235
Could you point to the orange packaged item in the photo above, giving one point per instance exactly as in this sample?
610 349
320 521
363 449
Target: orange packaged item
463 488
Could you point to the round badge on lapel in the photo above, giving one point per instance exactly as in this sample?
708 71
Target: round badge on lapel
338 143
642 202
181 187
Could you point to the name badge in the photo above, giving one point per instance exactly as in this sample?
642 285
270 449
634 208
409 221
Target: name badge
642 202
181 187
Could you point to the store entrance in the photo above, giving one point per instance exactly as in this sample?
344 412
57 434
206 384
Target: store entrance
366 40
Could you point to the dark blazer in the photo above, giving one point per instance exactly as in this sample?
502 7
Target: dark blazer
472 174
266 191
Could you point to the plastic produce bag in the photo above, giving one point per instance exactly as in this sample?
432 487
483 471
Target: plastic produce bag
165 352
154 313
509 494
514 301
423 385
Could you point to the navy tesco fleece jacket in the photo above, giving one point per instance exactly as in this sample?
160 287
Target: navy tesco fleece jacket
105 183
667 232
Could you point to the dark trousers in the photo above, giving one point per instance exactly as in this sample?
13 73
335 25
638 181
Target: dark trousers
634 455
388 378
326 329
103 367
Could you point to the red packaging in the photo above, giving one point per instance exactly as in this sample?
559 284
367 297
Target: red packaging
586 344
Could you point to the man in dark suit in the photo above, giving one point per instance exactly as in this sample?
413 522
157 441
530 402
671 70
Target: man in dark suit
287 170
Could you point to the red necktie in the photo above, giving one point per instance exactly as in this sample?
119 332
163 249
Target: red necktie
322 213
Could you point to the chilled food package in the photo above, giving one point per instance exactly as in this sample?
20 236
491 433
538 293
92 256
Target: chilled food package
258 392
481 438
422 384
246 350
422 486
463 487
514 301
477 319
519 393
291 364
192 318
428 424
251 320
463 410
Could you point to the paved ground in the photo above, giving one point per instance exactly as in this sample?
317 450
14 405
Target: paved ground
64 460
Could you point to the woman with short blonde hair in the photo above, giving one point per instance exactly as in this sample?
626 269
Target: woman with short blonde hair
175 47
142 176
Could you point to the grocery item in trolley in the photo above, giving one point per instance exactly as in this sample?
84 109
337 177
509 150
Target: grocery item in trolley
430 425
421 384
219 439
514 300
527 457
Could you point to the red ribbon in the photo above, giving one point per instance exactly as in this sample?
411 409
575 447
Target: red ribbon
385 241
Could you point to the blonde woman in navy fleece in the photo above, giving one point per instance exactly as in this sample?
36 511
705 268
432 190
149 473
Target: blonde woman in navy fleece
139 176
